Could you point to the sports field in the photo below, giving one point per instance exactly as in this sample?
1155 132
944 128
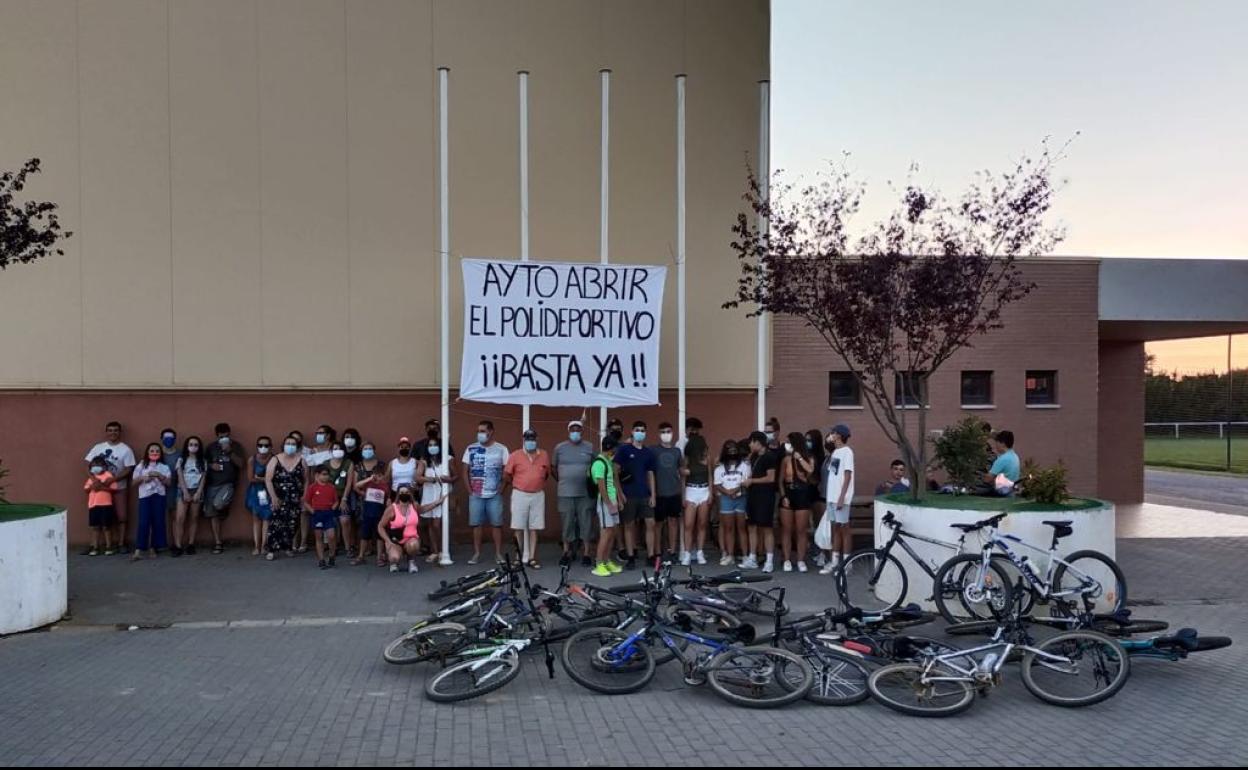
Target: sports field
1207 454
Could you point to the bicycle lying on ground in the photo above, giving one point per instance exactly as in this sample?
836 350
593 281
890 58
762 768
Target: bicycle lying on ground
614 661
1073 668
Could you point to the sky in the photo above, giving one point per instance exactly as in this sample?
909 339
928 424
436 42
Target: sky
1157 93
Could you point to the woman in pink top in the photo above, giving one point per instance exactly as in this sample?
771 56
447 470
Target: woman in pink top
400 527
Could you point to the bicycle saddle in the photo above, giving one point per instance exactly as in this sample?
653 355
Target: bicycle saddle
1061 528
1186 638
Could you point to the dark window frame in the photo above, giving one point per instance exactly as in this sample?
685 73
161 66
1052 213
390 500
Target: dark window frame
843 402
970 374
901 399
1037 397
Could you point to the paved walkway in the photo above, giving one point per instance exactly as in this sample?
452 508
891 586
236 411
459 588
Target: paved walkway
304 684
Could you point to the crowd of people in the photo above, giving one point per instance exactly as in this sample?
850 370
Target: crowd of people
340 495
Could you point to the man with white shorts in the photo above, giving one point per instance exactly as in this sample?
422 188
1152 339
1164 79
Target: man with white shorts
604 479
526 472
840 496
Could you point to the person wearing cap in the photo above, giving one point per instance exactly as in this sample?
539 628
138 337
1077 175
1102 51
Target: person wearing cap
526 472
570 467
840 496
485 460
608 501
399 527
402 469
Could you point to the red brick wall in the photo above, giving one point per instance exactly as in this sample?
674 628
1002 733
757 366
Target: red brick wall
1121 439
1055 327
45 434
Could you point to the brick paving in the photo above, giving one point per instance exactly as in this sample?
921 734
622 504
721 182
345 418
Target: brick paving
302 686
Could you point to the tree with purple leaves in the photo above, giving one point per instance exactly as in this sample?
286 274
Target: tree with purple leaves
899 300
30 230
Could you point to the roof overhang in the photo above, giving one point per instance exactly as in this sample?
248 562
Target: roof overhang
1159 299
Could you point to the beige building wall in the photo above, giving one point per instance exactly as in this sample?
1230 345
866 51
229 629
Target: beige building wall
252 184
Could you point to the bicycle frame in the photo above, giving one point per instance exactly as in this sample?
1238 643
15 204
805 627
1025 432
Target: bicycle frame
972 673
900 536
1043 584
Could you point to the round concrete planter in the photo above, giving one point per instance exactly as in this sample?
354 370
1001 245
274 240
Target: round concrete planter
34 586
1094 529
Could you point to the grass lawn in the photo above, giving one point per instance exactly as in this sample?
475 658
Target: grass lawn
1202 454
993 504
16 511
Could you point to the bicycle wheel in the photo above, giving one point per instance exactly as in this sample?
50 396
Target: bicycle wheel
839 679
596 658
958 595
459 586
759 677
906 687
703 620
1206 643
473 677
658 650
1111 627
426 643
1099 576
751 600
1089 667
872 581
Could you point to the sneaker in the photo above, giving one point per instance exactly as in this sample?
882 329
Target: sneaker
769 566
602 570
268 556
586 561
828 569
109 552
749 562
801 566
726 560
394 568
189 550
322 564
412 569
820 560
788 566
615 568
685 558
93 552
332 563
700 557
631 564
476 557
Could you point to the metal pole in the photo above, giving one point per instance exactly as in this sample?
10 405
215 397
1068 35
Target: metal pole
1230 400
524 193
524 240
604 195
445 322
764 179
681 408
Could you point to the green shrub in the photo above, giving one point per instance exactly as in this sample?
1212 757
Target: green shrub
961 451
3 472
1045 485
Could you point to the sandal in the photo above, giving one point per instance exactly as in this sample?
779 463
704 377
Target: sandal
218 548
255 551
534 564
356 562
268 556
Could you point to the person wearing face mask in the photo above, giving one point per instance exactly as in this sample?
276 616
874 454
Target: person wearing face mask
730 474
402 469
400 528
485 460
119 460
353 445
152 477
615 429
224 459
669 480
170 456
436 479
321 452
342 477
570 467
797 500
637 467
258 501
100 487
305 453
697 500
190 479
285 480
526 472
371 486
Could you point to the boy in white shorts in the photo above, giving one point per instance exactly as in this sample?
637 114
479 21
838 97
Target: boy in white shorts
840 496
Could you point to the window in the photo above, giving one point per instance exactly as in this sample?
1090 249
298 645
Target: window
1041 388
910 389
843 390
976 388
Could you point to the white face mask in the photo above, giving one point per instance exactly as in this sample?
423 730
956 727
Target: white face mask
788 447
348 442
338 454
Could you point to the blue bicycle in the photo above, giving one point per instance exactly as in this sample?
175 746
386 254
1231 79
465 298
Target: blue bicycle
614 662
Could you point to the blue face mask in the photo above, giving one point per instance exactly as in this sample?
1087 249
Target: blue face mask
368 454
530 446
575 436
434 450
96 470
290 448
169 441
639 435
771 436
482 438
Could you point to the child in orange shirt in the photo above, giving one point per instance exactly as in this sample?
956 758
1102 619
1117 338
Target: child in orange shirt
102 516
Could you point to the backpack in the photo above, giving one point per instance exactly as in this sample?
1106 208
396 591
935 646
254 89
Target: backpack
591 486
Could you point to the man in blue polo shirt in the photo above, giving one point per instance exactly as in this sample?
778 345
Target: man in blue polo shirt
637 466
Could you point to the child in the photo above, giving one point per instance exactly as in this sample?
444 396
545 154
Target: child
371 486
152 477
321 501
101 514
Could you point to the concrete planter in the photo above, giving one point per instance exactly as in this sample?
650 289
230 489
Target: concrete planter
1094 529
34 585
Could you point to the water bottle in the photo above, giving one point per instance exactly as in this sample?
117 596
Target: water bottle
988 663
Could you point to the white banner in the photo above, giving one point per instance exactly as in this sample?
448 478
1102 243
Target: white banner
561 333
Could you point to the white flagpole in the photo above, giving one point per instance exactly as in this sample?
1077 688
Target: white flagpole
445 323
604 194
680 268
524 242
764 179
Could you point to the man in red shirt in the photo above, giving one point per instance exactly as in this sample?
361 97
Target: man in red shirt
321 500
526 472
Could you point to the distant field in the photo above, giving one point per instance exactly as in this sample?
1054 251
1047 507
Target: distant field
1207 454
